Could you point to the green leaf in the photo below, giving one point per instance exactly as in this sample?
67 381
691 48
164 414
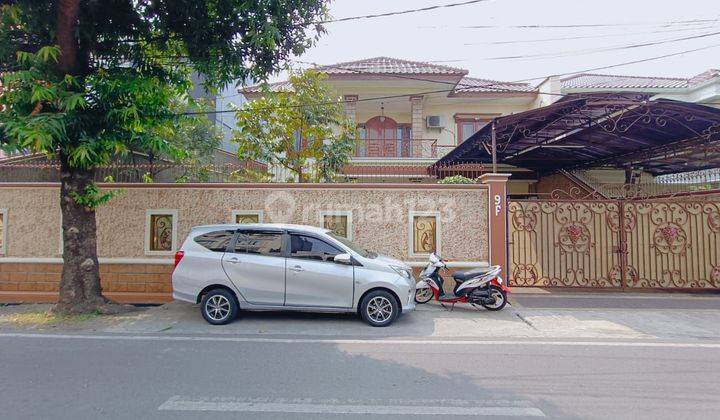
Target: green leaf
49 53
73 102
82 156
92 197
23 57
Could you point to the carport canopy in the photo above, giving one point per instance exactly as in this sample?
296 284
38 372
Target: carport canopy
619 130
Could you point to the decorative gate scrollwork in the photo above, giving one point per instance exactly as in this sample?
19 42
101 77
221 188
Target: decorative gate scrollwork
562 243
643 243
676 243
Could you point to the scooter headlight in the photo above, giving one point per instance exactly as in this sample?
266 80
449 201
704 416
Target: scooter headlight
402 271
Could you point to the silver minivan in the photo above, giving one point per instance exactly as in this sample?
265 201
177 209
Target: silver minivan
259 267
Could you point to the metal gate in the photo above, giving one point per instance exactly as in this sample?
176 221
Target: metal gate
633 243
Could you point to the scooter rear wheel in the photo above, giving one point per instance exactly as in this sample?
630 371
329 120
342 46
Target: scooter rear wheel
500 299
423 295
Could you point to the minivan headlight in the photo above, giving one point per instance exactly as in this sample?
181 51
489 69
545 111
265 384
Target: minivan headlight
402 271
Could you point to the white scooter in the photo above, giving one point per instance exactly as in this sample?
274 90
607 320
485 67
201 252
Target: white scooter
479 286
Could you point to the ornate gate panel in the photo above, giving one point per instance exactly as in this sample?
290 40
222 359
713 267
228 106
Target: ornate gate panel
673 243
564 243
631 243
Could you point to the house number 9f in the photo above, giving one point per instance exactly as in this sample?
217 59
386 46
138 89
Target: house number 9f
498 204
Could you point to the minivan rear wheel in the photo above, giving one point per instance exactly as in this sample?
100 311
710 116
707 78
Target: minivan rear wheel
219 307
379 308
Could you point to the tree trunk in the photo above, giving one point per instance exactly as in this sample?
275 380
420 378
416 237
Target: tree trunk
80 289
67 15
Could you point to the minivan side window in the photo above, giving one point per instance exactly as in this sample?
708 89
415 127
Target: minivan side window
216 241
259 243
308 247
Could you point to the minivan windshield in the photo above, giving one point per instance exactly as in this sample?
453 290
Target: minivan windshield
352 245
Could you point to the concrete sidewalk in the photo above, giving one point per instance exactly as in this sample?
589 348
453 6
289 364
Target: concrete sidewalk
556 316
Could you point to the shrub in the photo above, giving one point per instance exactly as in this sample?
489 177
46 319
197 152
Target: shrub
457 179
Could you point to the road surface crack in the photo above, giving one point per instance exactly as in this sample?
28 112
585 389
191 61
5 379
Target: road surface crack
525 320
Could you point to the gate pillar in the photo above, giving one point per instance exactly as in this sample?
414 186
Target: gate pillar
497 220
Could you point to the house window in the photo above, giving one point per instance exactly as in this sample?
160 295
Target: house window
424 233
160 232
340 222
247 216
3 231
466 127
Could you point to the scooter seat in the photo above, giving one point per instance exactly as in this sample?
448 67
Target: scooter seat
465 275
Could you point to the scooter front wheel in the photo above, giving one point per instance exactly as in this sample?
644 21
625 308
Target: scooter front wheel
423 295
500 299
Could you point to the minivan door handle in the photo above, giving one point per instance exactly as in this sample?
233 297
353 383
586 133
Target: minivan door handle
233 260
297 268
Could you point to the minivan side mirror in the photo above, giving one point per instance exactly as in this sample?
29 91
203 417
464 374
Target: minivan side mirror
343 259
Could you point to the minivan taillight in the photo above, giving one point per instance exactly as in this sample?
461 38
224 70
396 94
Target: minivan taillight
178 256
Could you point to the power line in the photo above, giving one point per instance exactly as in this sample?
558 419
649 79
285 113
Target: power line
401 12
643 60
370 16
602 49
595 25
597 36
385 97
556 54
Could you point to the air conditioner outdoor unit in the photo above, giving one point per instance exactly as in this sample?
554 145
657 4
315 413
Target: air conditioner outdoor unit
434 121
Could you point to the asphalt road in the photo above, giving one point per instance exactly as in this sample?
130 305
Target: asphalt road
100 375
579 356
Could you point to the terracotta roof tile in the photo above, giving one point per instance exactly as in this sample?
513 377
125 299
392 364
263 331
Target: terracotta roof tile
387 65
283 86
607 81
704 77
471 85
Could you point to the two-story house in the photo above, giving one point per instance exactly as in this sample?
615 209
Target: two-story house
410 113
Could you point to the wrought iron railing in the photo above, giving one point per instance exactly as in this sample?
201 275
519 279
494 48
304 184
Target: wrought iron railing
643 189
139 172
648 190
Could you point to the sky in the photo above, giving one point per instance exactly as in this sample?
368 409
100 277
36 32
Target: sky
445 36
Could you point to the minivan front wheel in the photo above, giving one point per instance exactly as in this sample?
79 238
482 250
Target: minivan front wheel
219 307
379 308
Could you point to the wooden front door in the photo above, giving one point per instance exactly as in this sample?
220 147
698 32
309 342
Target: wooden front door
381 137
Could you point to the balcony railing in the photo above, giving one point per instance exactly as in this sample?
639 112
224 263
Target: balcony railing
400 148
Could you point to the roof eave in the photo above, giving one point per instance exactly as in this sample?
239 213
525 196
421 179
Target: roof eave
492 94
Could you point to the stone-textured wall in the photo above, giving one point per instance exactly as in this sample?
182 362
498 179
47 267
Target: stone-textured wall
33 221
380 214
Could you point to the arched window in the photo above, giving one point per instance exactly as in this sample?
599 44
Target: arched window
381 128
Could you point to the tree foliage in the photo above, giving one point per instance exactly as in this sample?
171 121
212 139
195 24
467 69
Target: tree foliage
303 129
89 80
132 72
